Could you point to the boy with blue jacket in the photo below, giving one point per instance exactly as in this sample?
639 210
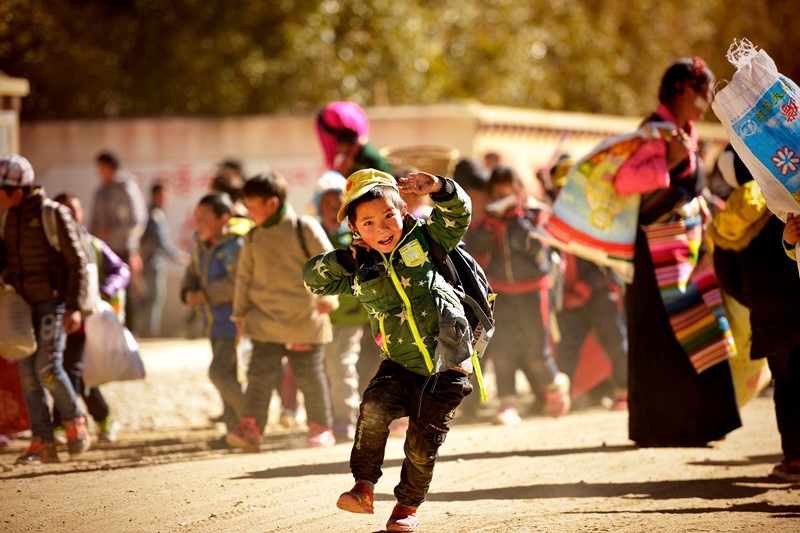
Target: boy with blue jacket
208 285
417 320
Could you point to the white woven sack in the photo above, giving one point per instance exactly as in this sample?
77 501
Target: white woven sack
17 338
758 111
111 352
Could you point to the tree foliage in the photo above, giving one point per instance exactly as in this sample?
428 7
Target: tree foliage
90 59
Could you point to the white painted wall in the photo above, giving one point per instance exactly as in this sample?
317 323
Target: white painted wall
185 151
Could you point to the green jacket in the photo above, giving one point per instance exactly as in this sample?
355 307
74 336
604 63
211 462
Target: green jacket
415 314
350 311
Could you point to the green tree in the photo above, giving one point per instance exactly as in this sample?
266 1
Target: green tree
89 59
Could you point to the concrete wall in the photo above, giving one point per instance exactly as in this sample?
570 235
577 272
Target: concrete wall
185 151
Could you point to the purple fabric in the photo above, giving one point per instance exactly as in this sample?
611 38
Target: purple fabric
341 116
115 273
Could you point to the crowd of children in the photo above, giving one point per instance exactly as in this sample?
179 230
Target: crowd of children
322 294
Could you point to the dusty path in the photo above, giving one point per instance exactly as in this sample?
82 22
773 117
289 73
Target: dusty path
579 473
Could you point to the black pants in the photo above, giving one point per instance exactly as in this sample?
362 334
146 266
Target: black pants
786 372
264 376
73 366
429 402
600 313
521 341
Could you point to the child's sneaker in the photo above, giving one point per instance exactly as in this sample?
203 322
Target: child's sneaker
787 470
620 402
403 518
245 436
359 499
38 452
78 440
107 429
556 396
59 436
287 419
320 436
506 415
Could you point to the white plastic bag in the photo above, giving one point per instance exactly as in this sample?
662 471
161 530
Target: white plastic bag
244 352
759 111
17 338
111 353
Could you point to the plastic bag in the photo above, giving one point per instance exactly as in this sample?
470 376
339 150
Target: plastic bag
13 412
759 111
17 338
244 352
111 353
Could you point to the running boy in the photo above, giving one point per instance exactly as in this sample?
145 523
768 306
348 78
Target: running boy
208 286
53 283
416 319
274 310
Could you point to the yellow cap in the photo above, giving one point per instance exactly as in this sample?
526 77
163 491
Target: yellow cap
361 182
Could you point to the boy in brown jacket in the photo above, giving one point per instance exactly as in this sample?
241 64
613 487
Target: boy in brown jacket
272 307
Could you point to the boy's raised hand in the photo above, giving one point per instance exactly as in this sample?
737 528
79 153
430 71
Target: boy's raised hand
419 183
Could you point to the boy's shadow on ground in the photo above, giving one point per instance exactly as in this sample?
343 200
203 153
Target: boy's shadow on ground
724 489
339 467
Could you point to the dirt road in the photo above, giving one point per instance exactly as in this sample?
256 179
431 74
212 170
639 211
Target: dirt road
578 473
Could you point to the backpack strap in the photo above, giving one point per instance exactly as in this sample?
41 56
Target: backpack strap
440 257
50 224
301 236
3 214
447 268
477 308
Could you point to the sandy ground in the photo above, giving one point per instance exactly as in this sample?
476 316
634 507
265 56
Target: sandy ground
578 473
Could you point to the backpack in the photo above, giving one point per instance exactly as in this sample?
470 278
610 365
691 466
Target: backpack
463 272
90 300
471 285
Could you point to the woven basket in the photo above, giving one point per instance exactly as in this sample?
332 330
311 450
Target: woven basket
438 160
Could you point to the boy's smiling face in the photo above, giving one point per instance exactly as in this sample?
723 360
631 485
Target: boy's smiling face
262 209
380 223
208 225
